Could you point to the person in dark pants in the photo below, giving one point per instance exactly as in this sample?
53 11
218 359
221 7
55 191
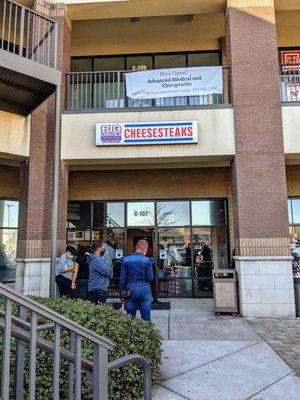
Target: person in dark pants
83 273
66 276
136 275
99 274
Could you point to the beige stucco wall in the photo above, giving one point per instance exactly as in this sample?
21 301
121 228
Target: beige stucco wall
293 180
14 135
215 130
291 123
157 34
9 182
288 28
171 32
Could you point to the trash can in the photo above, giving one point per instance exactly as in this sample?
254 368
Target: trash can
297 295
225 291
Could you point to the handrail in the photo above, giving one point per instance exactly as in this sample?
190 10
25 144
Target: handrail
28 33
132 358
113 222
70 356
54 316
32 11
289 74
29 334
88 90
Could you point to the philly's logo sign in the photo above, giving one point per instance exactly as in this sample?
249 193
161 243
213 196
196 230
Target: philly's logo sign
111 133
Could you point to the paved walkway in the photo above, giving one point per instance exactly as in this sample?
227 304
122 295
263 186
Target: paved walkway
219 358
283 335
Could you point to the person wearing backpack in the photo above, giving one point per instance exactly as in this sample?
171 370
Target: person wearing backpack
135 278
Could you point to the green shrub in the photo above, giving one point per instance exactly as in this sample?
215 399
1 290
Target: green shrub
129 336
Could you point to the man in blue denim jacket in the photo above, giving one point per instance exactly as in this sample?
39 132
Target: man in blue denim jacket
136 274
99 274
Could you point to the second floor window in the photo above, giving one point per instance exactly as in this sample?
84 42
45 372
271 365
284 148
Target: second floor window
145 61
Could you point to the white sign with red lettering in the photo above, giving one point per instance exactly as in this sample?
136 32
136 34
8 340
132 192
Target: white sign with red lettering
145 133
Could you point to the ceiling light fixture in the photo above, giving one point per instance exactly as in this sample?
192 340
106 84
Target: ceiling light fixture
135 20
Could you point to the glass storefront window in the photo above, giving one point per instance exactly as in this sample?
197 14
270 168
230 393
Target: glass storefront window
8 252
295 248
203 59
208 213
184 254
140 213
203 257
169 61
79 237
9 212
115 215
174 267
145 61
109 64
295 210
98 214
290 211
139 63
79 215
81 64
175 213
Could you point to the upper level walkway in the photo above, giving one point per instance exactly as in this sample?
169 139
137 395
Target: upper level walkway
28 58
101 91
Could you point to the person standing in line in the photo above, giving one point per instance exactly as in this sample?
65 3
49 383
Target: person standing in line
99 274
136 275
66 273
109 254
83 273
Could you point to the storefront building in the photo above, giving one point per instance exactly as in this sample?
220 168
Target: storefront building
179 125
187 239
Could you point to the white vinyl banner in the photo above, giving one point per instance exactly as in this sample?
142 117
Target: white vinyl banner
174 82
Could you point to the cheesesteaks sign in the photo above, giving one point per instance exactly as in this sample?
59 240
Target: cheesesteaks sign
145 133
174 82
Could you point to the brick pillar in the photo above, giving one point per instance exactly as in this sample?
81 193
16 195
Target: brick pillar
63 60
258 170
34 241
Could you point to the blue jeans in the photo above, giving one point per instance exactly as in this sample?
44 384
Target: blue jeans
141 298
98 296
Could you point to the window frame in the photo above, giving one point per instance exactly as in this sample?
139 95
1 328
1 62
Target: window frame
217 51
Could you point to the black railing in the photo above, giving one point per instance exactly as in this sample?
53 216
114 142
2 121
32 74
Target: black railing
289 82
27 33
106 90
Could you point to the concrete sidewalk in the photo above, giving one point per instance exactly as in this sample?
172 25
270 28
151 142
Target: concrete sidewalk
218 358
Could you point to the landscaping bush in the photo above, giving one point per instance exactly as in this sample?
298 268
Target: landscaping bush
129 336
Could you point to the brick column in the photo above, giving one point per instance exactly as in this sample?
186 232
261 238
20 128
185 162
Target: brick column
258 169
33 268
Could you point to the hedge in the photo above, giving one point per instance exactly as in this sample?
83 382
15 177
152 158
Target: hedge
129 336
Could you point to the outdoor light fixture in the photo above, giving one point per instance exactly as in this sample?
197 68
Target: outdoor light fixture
134 20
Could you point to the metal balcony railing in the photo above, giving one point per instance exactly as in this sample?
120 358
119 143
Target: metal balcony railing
24 329
106 90
289 82
27 33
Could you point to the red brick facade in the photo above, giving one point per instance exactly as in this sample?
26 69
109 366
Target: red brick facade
258 170
37 172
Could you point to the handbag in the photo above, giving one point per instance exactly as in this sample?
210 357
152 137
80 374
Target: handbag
126 293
